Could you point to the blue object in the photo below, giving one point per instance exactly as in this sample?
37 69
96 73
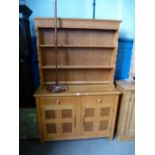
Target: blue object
123 59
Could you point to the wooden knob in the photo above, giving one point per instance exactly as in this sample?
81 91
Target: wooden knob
99 100
57 102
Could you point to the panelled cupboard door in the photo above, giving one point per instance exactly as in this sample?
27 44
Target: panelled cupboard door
130 122
97 115
58 117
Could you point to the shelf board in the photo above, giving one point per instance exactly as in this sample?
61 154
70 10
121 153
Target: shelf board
83 89
77 46
77 82
77 67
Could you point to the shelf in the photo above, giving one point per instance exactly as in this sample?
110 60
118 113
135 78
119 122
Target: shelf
77 82
77 46
77 67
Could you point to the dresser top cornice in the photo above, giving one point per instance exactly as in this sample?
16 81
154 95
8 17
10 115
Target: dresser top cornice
78 23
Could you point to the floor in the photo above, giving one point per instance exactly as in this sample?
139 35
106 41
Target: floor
100 146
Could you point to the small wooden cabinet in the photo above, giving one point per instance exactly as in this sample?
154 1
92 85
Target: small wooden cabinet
87 52
126 121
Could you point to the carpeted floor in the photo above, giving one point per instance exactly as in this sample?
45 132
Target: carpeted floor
100 146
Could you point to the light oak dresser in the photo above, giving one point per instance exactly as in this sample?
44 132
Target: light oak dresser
86 64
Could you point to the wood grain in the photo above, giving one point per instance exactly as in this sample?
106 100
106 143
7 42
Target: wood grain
126 120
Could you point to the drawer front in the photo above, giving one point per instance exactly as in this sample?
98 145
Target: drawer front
103 99
56 100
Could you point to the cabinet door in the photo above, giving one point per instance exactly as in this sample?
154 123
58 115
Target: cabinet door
58 117
97 115
130 121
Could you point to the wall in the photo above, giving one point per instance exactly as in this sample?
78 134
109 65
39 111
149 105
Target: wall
105 9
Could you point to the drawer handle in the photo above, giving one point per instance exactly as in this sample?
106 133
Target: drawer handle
83 121
75 121
57 102
99 100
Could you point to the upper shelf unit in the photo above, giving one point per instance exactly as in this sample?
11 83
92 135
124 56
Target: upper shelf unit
87 50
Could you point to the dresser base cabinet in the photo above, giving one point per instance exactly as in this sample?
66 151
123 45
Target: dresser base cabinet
69 115
126 120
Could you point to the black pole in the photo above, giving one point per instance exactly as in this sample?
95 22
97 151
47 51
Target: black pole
94 4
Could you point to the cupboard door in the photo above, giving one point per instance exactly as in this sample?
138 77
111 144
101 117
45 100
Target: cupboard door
97 114
58 118
130 121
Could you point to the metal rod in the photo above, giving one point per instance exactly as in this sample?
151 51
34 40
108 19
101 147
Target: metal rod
94 4
55 39
56 88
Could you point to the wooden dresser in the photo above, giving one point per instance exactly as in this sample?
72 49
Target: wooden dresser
126 121
86 64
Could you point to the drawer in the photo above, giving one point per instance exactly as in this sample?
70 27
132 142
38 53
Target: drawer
56 100
100 99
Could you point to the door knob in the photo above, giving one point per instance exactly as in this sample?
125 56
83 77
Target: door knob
99 100
57 102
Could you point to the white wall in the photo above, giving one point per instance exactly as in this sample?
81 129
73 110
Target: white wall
128 19
118 9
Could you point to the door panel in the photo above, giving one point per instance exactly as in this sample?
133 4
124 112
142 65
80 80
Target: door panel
130 126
